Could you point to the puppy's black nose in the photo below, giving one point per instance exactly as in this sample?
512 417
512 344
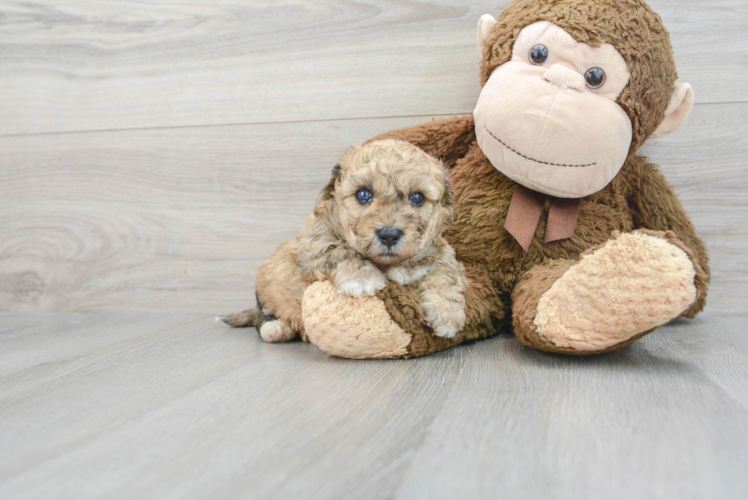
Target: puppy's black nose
389 236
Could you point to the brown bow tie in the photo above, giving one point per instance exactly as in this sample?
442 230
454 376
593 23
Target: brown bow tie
524 214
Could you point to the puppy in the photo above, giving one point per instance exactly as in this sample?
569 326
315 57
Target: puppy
381 217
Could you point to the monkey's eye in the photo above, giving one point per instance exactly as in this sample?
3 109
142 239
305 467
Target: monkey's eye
364 196
539 54
595 78
417 199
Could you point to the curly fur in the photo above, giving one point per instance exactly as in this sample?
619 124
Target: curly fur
503 281
339 243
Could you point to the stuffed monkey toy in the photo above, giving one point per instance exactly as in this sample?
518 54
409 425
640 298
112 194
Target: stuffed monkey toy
564 231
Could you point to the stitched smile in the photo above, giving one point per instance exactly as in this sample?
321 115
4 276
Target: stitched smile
533 159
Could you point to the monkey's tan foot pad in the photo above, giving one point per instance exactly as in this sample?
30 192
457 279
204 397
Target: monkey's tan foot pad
633 283
351 327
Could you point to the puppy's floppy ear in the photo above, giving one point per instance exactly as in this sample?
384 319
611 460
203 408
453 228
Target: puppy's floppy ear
330 188
447 202
324 205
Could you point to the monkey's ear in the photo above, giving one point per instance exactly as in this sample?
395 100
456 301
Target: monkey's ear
485 25
681 104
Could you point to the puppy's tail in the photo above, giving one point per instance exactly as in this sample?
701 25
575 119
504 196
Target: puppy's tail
242 319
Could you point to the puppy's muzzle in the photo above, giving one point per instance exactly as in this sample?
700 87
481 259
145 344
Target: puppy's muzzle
389 236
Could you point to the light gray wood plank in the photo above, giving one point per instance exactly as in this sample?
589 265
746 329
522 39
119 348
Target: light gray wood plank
716 345
14 321
643 423
205 411
101 65
179 220
167 220
108 386
198 410
39 347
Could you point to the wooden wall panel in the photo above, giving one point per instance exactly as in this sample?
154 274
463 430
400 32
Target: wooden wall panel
79 65
179 219
166 220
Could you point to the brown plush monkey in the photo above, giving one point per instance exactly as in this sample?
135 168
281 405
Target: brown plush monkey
562 227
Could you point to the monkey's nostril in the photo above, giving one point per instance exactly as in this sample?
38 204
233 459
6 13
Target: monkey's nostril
389 236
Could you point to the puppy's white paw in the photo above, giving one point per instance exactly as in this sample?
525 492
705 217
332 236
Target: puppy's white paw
276 331
446 317
366 281
398 275
405 276
447 324
445 331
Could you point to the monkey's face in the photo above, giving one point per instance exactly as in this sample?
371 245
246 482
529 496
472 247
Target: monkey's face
392 201
548 118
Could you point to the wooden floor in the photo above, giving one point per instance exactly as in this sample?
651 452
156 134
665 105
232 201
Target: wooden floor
175 406
152 154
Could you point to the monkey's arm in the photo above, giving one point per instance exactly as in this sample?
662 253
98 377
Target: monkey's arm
484 314
392 324
656 207
448 140
624 288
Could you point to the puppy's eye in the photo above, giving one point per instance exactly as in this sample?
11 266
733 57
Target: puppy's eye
595 78
364 196
417 199
539 54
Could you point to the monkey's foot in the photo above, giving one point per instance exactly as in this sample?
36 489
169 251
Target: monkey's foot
351 327
632 284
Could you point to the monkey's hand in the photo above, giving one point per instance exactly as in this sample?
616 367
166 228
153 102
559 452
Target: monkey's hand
358 278
617 293
351 327
392 324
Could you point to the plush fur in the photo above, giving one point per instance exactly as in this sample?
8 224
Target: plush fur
341 242
505 284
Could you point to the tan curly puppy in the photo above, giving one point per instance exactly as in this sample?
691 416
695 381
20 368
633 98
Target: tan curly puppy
381 217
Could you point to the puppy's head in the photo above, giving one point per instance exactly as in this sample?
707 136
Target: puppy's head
388 200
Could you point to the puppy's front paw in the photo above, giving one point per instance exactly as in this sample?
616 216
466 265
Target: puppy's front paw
364 281
447 331
398 275
404 276
445 315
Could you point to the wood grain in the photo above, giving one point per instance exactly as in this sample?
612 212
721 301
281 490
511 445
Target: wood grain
102 65
152 154
643 423
72 340
179 220
718 347
254 414
153 405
